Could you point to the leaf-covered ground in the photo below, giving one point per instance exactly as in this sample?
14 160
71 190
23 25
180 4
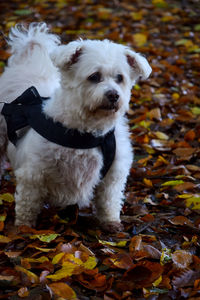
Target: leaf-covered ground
158 254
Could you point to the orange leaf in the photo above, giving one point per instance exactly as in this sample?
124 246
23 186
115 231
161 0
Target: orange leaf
136 243
148 182
180 220
190 135
62 290
148 218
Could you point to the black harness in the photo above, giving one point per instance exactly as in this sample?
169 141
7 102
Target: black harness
26 110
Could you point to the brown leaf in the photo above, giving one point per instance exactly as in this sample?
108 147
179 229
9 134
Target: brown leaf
152 251
23 292
119 260
180 220
143 274
95 281
62 290
185 278
181 259
136 243
185 186
190 135
184 153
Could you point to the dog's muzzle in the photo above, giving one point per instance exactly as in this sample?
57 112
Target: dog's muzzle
110 101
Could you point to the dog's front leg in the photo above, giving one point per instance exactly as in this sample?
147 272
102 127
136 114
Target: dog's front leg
27 200
109 193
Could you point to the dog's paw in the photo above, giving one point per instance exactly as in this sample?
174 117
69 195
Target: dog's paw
112 227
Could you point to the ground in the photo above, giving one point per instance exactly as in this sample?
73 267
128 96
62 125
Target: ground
157 256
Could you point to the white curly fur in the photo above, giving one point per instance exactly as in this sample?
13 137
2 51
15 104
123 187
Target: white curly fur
46 171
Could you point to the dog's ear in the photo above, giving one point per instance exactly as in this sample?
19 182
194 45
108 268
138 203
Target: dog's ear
140 67
66 55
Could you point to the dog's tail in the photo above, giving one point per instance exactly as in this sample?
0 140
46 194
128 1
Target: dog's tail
23 41
30 64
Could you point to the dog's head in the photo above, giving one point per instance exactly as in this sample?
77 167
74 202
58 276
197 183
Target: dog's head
98 77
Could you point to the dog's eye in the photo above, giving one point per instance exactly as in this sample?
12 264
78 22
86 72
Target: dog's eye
95 77
119 78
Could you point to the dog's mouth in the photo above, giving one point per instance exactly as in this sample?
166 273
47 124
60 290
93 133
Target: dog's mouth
110 107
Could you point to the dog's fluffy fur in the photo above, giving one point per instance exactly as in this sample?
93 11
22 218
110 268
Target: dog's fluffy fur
66 73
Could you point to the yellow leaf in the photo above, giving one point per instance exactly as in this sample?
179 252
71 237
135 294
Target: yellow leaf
137 16
160 3
10 24
4 239
39 260
166 256
162 159
66 271
167 18
71 258
149 149
158 281
195 110
175 96
172 182
45 237
7 197
63 290
160 135
32 277
57 258
145 124
91 263
114 244
184 196
140 39
137 87
184 42
148 182
193 202
2 218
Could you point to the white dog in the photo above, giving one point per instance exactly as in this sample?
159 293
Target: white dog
88 83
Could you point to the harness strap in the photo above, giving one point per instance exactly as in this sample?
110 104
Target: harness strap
26 110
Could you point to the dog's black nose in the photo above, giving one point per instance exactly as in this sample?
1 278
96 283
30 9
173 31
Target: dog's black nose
112 96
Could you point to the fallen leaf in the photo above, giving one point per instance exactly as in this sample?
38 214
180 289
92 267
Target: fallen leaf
140 39
62 290
181 259
45 237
